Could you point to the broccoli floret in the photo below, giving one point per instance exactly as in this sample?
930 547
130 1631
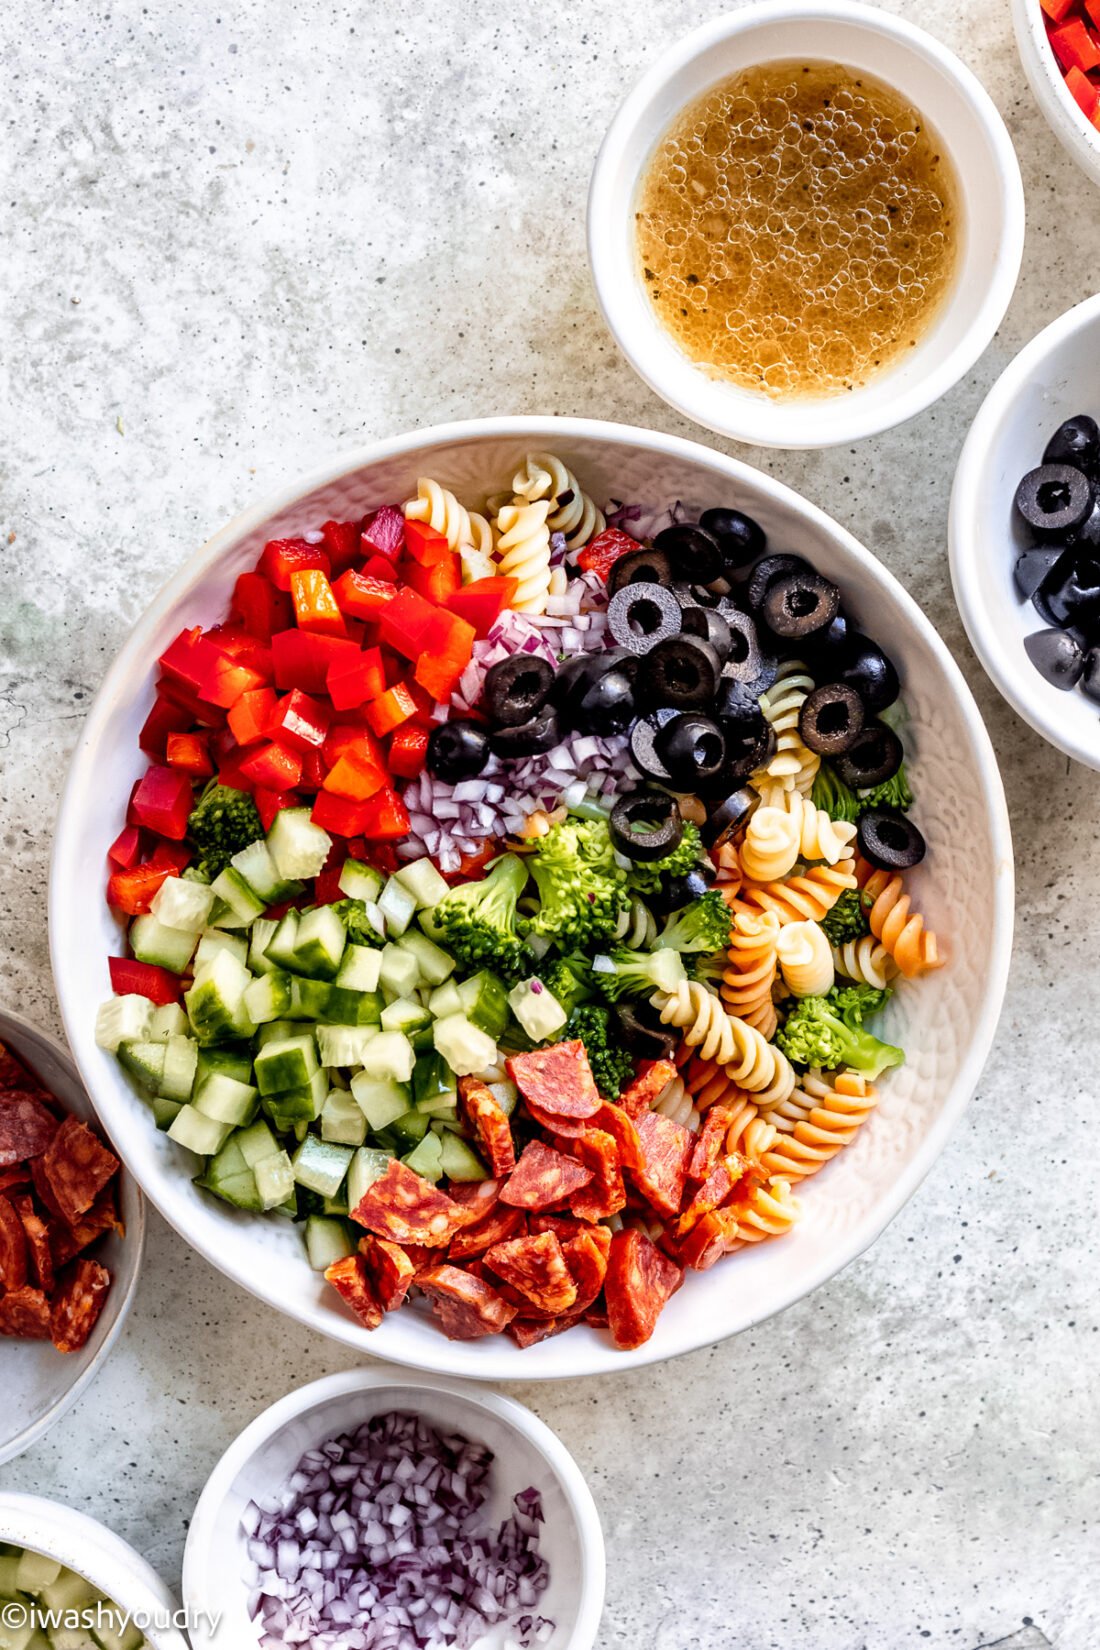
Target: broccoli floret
637 973
831 793
892 793
816 1035
582 891
476 922
704 925
855 1003
647 877
848 918
223 822
568 980
611 1067
709 969
361 931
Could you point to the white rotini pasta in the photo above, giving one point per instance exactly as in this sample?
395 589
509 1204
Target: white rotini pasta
816 835
805 959
636 927
675 1101
770 848
572 512
866 961
523 553
749 975
748 1057
793 766
462 528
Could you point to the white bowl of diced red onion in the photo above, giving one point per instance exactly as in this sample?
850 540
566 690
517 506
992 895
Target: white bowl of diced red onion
429 1511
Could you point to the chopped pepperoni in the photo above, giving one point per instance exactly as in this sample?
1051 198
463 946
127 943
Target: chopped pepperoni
558 1079
616 1122
530 1331
543 1177
566 1128
25 1315
466 1305
566 1226
18 1175
349 1278
666 1147
37 1234
74 1311
103 1216
711 1237
639 1282
497 1226
709 1142
586 1256
489 1122
13 1247
536 1267
406 1208
26 1127
390 1270
15 1075
653 1076
607 1194
714 1191
77 1167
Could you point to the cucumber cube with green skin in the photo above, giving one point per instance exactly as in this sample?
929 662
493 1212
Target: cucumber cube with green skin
320 943
410 1128
229 1177
9 1562
165 1112
152 942
537 1010
288 1064
228 1061
125 1019
397 905
33 1571
215 941
423 882
281 950
168 1021
426 1159
442 1106
114 1632
69 1592
337 1205
239 895
298 846
320 1165
368 1165
296 1107
344 1045
359 881
445 999
259 870
405 1014
459 1162
327 1240
226 1100
342 1119
200 1134
485 1003
360 968
178 903
215 1003
390 1054
433 1079
400 973
274 1180
464 1046
276 1031
380 1099
255 1143
181 1061
261 934
332 1004
268 998
145 1061
434 963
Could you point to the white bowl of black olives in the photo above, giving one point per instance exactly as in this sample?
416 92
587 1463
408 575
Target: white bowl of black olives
1025 533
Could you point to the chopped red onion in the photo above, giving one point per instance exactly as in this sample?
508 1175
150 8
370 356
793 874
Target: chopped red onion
385 531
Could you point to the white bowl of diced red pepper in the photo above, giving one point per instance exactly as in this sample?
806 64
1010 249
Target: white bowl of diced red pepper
1059 44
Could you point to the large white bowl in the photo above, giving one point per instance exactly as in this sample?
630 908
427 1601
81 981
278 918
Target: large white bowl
527 1454
1064 115
39 1383
1053 377
973 134
965 887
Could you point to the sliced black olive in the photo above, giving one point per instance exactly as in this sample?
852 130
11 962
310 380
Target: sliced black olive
800 605
695 554
1076 442
1071 591
645 1040
735 699
750 743
643 749
831 719
1090 676
516 687
749 660
1058 657
693 749
890 840
682 671
866 668
457 750
646 825
871 759
695 595
1033 567
727 818
606 706
740 537
531 738
1086 536
676 892
769 572
641 615
1054 499
828 644
712 625
639 567
576 675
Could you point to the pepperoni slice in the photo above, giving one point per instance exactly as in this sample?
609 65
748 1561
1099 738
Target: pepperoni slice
616 1122
666 1148
467 1307
390 1270
543 1177
558 1079
714 1191
498 1226
15 1075
639 1282
489 1121
711 1237
77 1167
536 1267
566 1226
18 1175
37 1234
566 1128
13 1247
74 1311
586 1256
405 1208
530 1331
348 1277
26 1126
653 1076
25 1315
607 1194
102 1217
709 1142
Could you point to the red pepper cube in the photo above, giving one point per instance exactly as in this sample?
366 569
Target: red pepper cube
355 776
351 682
163 802
130 977
165 717
302 660
342 544
250 718
424 544
227 680
133 891
483 601
190 753
437 583
408 751
282 557
273 766
261 608
408 623
240 646
1056 10
300 721
1075 47
175 854
126 847
352 735
1084 92
269 803
380 567
189 660
338 815
362 596
384 533
390 709
326 885
315 605
386 818
1091 6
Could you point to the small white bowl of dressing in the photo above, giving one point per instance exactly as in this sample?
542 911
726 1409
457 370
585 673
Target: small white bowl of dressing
988 217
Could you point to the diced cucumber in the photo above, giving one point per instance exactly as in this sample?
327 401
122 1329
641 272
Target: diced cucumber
178 903
380 1099
320 1165
291 1107
261 934
114 1632
215 941
33 1571
281 949
505 1094
165 1112
368 1165
288 1064
342 1119
224 916
390 1054
423 882
360 968
323 1000
442 1106
198 1133
485 1003
327 1241
145 1061
256 865
69 1592
274 1180
226 1100
459 1162
464 1046
181 1060
215 1003
400 972
277 1030
17 1634
434 963
359 881
337 1205
239 895
446 999
426 1159
228 1060
405 1014
169 1020
153 942
537 1010
397 905
268 998
298 846
255 1143
228 1176
344 1045
410 1127
125 1019
320 943
433 1079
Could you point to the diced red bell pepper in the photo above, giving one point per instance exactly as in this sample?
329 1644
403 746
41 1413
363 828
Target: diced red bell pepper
602 552
282 557
472 865
384 532
438 670
273 766
1056 10
424 544
351 682
380 567
437 583
186 699
300 721
483 601
126 847
243 648
343 544
355 777
339 815
386 818
326 886
130 977
132 891
1091 6
1084 92
1075 47
314 769
227 680
190 660
349 735
250 718
362 595
163 801
261 608
408 751
269 803
177 855
315 605
302 660
408 623
190 753
165 717
390 709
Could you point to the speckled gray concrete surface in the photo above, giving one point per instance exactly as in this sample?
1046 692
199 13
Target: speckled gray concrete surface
241 236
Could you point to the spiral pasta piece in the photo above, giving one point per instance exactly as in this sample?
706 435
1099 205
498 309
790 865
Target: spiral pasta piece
807 897
866 961
441 510
675 1102
830 1111
572 511
793 765
749 1058
818 836
746 987
713 1090
636 927
769 1211
900 929
771 845
727 863
806 959
523 553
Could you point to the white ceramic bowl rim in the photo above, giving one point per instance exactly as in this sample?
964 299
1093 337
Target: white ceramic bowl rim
1063 113
133 663
840 420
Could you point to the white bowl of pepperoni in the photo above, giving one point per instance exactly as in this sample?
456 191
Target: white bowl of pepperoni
612 1206
69 1277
